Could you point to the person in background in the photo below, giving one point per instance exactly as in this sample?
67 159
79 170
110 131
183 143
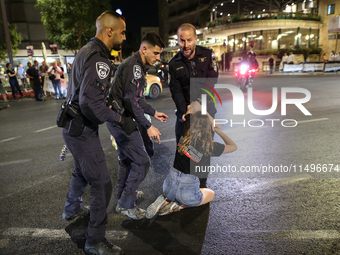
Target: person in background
69 68
332 56
271 64
36 80
285 58
22 75
13 81
54 69
42 74
324 58
62 69
307 59
3 93
29 75
291 58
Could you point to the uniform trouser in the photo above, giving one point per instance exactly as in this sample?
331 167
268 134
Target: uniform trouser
90 168
148 144
134 164
37 89
15 86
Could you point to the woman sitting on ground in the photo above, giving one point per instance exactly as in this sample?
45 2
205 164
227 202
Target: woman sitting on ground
180 188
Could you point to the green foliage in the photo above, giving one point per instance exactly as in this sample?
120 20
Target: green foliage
70 23
15 38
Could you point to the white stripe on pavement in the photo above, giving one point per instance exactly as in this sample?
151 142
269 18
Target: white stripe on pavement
291 234
168 140
55 233
306 121
10 139
15 162
44 129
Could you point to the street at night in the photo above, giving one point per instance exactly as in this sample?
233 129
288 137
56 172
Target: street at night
293 210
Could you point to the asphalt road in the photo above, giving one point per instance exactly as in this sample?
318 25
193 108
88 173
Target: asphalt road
274 211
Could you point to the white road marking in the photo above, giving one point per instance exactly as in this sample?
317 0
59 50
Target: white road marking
44 129
10 139
168 140
15 162
55 233
306 121
274 183
292 234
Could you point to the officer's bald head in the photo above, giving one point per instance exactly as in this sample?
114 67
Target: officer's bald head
186 27
111 29
108 19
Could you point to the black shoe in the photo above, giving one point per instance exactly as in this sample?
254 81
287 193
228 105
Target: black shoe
83 211
40 100
102 248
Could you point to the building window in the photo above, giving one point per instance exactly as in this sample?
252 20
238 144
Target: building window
330 9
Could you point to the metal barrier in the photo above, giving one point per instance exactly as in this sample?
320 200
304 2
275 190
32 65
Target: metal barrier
312 67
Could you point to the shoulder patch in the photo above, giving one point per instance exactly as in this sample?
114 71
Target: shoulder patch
103 70
137 72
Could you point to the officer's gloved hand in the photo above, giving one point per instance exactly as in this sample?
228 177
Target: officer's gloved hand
128 124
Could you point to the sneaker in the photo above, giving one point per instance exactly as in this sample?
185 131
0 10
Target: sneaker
102 248
140 194
153 209
83 211
7 105
133 213
169 208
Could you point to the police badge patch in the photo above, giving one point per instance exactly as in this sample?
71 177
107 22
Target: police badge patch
103 70
137 72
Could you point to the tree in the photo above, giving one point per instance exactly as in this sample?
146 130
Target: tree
15 38
70 23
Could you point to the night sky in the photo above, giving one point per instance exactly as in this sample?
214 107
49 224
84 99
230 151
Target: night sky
137 14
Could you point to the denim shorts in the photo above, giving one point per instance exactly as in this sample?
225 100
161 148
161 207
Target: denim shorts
183 188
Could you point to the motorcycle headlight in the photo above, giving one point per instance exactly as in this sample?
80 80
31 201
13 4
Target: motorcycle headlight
243 69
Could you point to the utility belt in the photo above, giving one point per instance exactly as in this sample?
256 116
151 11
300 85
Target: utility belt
69 114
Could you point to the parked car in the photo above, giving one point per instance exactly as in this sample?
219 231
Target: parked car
154 86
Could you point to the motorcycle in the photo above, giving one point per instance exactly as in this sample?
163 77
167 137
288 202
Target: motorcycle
244 76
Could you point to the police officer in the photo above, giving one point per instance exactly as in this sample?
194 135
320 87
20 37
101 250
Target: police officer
191 62
127 98
88 89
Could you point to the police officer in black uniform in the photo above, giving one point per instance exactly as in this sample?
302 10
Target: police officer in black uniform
191 62
88 88
127 95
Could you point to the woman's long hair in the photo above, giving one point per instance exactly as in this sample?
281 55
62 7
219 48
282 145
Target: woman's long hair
197 133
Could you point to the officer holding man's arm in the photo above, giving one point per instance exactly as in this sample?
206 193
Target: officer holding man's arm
88 89
126 96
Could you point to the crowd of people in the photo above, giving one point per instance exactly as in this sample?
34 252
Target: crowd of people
127 115
34 78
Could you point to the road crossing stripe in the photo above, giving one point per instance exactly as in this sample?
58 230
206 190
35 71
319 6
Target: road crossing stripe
10 139
15 162
54 233
44 129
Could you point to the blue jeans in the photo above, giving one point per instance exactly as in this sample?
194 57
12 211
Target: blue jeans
15 86
56 85
183 188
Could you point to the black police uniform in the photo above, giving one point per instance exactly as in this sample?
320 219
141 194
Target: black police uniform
36 80
91 71
181 69
127 90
